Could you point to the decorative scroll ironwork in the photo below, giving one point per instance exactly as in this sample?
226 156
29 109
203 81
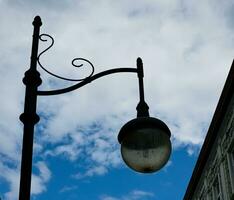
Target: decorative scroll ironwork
73 61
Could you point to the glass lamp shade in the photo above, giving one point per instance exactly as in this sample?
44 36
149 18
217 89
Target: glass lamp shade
145 144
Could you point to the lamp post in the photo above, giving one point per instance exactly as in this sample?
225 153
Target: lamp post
145 141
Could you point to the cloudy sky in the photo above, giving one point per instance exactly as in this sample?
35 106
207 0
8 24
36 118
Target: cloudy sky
187 50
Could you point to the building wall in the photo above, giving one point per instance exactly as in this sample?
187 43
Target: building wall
217 179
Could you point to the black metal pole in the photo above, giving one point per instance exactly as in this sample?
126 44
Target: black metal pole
142 107
29 118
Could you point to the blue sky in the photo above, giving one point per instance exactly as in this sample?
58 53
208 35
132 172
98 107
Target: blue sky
187 50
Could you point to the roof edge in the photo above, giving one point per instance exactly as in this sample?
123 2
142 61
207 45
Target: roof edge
220 111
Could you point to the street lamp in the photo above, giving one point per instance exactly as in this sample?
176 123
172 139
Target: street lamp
145 141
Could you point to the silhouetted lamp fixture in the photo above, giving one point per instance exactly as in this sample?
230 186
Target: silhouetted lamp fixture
145 141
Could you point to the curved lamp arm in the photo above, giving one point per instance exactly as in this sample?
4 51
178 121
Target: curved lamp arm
86 81
142 107
83 81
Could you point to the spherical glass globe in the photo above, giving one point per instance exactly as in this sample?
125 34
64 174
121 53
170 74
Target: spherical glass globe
145 144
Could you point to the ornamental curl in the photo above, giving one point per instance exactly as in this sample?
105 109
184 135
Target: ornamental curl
44 38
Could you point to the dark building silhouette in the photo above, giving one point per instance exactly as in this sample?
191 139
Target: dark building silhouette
213 175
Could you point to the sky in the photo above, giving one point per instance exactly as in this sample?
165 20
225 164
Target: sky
187 51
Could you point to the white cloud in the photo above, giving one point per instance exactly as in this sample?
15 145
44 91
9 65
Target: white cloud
68 189
11 175
133 195
39 180
187 49
70 152
108 198
45 173
138 194
97 170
